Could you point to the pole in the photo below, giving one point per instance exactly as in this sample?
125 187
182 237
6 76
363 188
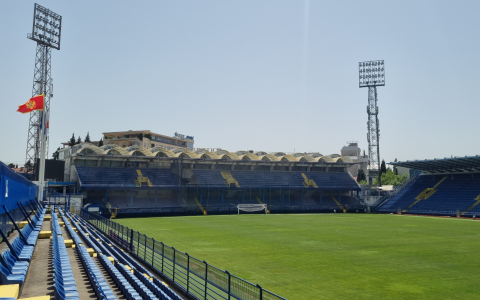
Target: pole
41 176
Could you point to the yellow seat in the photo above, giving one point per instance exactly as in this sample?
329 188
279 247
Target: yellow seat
91 252
9 290
47 218
68 243
22 224
111 259
45 234
37 298
128 267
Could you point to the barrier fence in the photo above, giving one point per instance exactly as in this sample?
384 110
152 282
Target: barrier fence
196 277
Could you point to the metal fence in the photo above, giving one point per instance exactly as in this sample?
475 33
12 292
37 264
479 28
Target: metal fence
196 277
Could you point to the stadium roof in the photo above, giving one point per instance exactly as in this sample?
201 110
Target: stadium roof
112 149
442 165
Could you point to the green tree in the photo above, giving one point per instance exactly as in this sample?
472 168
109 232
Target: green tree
71 142
361 175
79 141
29 166
383 168
390 178
395 170
363 182
140 136
87 138
11 165
100 143
148 136
56 154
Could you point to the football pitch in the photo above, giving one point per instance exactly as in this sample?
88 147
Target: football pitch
333 256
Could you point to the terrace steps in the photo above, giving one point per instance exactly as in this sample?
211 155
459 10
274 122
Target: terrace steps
339 204
309 182
261 202
142 179
473 205
200 206
229 179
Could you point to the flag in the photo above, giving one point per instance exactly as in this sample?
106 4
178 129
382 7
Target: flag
35 103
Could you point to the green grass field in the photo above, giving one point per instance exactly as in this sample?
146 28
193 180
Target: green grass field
341 256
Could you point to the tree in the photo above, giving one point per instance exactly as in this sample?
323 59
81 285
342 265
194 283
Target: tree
29 166
87 138
140 136
361 175
383 168
72 140
11 165
395 170
148 136
79 141
56 154
390 178
100 143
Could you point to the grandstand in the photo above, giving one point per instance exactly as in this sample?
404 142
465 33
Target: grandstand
449 187
48 252
163 182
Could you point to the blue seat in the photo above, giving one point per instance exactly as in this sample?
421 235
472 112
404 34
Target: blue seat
8 278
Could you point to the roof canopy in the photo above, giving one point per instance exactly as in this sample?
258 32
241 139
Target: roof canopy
438 165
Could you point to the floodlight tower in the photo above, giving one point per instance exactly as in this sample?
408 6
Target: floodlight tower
46 31
372 74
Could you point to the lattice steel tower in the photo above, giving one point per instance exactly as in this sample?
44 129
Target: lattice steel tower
46 32
372 74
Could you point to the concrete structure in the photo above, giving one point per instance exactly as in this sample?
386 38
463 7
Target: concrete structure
353 152
147 139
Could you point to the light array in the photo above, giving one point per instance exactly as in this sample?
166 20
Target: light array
372 73
47 27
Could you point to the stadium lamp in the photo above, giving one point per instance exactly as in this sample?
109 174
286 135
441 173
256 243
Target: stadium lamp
371 73
47 27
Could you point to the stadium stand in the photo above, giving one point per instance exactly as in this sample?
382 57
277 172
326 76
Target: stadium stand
165 192
440 190
96 177
125 271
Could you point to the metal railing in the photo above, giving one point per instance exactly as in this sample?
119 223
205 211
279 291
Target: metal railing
195 277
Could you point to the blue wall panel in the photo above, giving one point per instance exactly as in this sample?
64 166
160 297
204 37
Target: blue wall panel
13 188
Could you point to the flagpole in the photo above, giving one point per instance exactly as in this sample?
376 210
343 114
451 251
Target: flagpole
41 176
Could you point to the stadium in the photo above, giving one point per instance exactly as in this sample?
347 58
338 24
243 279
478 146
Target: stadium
144 215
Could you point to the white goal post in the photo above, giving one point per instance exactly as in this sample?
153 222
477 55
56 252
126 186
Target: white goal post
251 207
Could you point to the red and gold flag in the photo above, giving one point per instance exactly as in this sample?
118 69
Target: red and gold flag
35 103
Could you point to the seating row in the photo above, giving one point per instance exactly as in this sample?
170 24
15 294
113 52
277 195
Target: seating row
123 261
120 281
65 287
99 284
91 177
14 261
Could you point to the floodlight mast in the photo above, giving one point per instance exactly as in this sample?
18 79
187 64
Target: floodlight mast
46 31
372 74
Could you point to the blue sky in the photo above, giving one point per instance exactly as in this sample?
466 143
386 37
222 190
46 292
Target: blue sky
261 75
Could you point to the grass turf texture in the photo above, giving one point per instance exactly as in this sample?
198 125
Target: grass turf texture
341 256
